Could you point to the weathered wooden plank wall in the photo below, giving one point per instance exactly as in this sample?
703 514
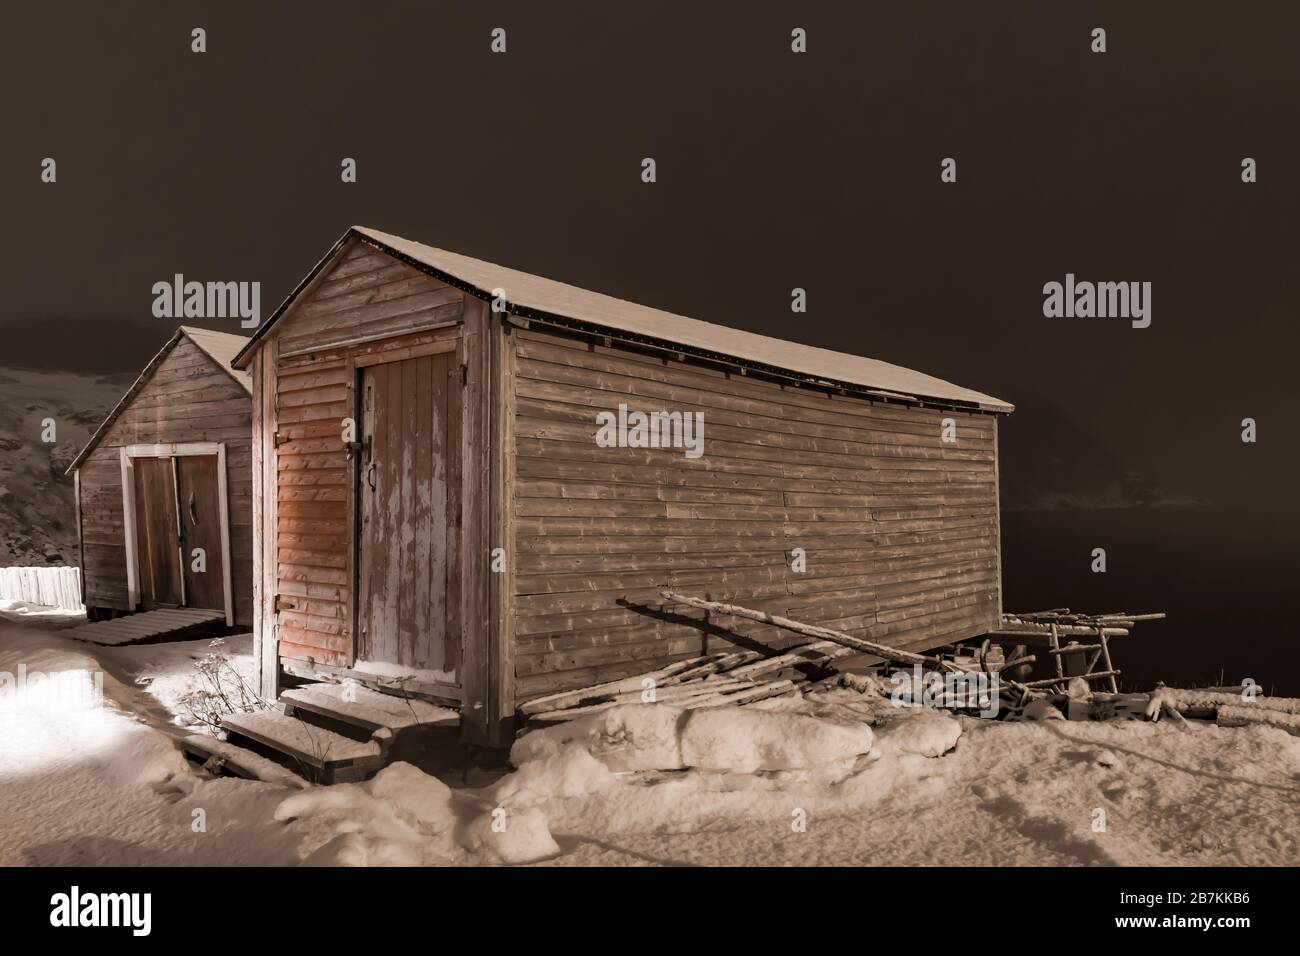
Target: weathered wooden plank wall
900 529
51 587
188 399
367 302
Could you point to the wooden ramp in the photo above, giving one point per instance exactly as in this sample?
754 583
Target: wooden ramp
171 624
325 733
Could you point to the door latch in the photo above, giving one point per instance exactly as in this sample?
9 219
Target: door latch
353 447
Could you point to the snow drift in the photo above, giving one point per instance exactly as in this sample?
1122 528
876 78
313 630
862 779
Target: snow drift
659 737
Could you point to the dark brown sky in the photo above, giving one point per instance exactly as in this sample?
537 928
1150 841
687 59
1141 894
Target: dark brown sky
775 171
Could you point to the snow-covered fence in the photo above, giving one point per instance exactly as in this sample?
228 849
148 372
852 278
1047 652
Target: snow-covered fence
51 587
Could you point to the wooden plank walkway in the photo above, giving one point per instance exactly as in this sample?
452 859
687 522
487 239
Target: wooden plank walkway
170 624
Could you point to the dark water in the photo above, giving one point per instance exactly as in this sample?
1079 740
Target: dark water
1227 580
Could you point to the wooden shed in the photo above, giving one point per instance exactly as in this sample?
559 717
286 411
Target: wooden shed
164 499
433 501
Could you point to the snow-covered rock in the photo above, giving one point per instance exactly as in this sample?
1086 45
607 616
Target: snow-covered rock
548 769
627 737
659 737
423 799
930 733
745 741
401 817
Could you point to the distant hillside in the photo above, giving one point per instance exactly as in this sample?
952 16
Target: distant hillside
37 509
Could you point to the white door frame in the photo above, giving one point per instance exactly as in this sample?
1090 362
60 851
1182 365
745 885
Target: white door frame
130 452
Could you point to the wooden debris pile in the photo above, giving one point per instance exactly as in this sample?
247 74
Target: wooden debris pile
746 677
1226 706
734 679
711 680
1050 626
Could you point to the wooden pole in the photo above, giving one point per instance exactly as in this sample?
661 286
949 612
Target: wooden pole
808 630
1056 653
1061 680
1105 659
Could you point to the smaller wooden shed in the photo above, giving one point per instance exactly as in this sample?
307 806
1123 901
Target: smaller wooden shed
164 497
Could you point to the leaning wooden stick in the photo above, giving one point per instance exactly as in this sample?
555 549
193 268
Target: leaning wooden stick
808 630
570 698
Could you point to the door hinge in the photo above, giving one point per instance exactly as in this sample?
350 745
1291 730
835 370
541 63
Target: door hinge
276 439
464 375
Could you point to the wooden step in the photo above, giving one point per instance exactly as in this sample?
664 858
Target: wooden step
332 757
221 755
368 709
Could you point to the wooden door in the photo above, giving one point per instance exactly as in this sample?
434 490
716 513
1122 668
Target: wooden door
198 491
158 557
409 511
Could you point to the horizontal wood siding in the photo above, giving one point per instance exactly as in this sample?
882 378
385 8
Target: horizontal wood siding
367 301
899 528
367 295
188 399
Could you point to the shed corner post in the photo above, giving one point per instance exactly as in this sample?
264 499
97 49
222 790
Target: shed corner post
997 516
127 470
81 540
485 705
265 489
501 379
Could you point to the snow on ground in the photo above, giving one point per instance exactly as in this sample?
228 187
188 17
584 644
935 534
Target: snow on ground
835 778
88 778
38 615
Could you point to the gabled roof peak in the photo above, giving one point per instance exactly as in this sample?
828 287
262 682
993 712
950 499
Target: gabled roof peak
220 347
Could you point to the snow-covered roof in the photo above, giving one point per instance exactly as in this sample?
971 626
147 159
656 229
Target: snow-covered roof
221 347
529 293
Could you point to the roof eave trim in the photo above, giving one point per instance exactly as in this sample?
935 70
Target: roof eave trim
770 371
